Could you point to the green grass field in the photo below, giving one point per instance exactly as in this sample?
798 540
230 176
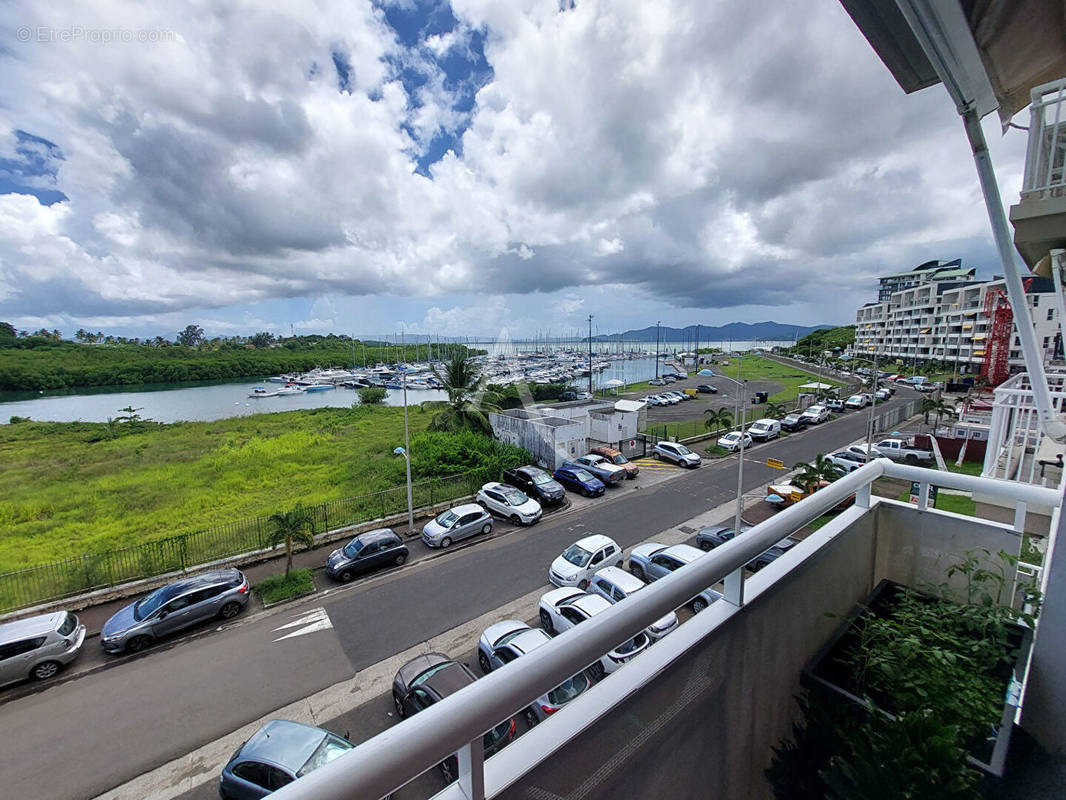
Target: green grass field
62 495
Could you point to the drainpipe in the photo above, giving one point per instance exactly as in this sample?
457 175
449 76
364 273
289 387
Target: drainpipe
1034 365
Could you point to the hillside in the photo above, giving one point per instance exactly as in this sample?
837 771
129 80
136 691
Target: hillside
737 331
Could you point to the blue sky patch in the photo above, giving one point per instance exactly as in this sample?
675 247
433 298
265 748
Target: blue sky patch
33 170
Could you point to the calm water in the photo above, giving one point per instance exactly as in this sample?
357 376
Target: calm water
219 400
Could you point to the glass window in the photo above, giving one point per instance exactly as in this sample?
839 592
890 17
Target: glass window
541 478
447 519
332 747
596 559
179 603
278 778
572 614
70 622
253 772
469 518
618 594
583 475
355 545
515 497
577 556
505 655
18 648
568 690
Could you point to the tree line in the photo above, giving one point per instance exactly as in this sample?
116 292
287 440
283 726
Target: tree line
44 360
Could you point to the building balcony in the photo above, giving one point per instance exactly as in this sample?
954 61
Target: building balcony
1040 218
704 706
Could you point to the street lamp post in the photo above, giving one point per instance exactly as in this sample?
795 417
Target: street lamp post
400 451
590 354
657 350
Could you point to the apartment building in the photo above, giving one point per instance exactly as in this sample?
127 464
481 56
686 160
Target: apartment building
945 320
924 273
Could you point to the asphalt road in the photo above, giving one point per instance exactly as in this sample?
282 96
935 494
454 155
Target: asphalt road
107 727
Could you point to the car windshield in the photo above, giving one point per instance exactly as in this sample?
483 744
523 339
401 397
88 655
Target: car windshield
682 450
70 622
792 417
619 459
429 673
568 690
494 736
583 475
541 478
146 606
352 548
576 555
447 519
729 437
515 497
331 747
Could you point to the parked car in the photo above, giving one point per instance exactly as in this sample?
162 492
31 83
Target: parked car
926 388
771 554
861 451
615 457
580 480
456 523
510 503
656 382
834 404
668 399
793 422
584 396
174 607
883 394
563 609
276 755
429 678
679 395
366 552
856 401
706 388
598 466
568 396
816 414
655 400
847 461
615 585
669 378
678 453
904 449
505 641
536 483
764 429
39 647
710 537
652 561
580 561
734 440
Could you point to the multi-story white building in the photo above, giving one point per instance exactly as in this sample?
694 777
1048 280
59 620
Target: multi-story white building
945 320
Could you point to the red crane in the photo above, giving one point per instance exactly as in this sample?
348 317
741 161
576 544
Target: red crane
996 366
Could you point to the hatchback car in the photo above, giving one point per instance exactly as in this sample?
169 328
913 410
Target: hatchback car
615 584
429 678
580 561
366 552
562 609
174 607
652 561
834 404
505 641
706 388
678 453
847 461
38 647
710 537
856 401
510 503
734 440
580 480
816 414
457 523
793 422
276 755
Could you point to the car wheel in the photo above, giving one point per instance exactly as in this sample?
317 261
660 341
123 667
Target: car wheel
138 643
398 561
597 671
705 546
346 576
396 701
911 458
446 541
45 670
481 503
637 570
486 528
546 621
483 662
698 605
514 519
230 610
586 493
582 585
531 717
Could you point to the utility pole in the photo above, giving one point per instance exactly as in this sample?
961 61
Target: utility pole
657 324
873 402
697 354
590 353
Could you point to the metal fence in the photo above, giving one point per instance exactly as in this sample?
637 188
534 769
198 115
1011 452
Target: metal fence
92 571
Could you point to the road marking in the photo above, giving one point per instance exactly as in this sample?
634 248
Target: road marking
314 620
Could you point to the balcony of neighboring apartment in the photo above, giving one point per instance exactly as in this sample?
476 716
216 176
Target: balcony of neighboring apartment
1039 219
698 713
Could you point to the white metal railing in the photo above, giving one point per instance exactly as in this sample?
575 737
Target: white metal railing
456 725
1015 434
1045 160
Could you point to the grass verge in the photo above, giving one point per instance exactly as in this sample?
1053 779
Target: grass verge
955 503
282 587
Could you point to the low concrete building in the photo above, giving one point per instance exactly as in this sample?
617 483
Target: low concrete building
554 434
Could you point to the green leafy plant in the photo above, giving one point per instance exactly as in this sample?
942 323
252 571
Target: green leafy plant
718 418
372 395
281 587
291 528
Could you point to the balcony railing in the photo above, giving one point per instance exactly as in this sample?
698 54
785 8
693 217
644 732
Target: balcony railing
1045 161
455 725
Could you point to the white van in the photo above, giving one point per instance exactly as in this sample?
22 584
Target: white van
763 429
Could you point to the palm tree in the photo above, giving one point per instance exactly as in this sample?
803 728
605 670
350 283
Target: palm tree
718 418
468 399
935 405
289 528
812 474
775 410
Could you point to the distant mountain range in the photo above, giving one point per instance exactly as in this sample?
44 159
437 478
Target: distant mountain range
711 334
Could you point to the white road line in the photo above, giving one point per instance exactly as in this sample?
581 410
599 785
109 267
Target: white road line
315 620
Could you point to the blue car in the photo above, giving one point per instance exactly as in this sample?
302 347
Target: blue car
580 480
277 754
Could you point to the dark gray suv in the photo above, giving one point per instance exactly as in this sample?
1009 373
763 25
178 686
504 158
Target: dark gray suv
176 606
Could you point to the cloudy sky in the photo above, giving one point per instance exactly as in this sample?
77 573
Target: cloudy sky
478 167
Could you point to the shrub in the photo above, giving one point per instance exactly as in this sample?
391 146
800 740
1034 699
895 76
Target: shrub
282 587
372 395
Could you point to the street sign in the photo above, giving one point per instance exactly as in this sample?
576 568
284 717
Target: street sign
775 463
797 496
